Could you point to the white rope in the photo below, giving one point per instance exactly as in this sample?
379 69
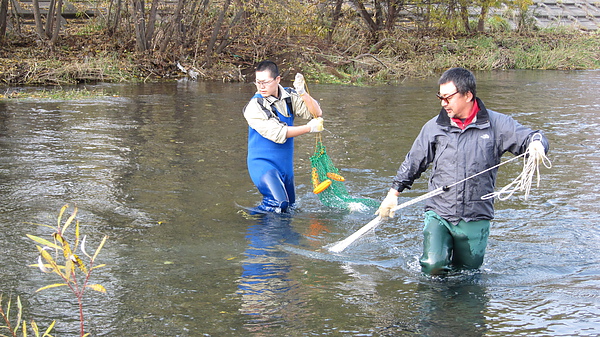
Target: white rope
531 167
533 157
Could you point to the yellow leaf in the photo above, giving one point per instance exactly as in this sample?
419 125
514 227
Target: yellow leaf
76 234
47 333
46 255
69 220
79 263
69 269
62 211
99 266
43 241
20 310
97 287
55 267
64 243
51 286
35 328
99 247
39 224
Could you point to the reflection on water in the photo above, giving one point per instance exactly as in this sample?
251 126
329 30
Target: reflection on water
160 168
265 281
452 306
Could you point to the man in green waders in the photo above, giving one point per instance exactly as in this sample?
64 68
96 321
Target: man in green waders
463 140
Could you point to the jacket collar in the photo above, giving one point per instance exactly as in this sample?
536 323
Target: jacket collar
283 94
483 116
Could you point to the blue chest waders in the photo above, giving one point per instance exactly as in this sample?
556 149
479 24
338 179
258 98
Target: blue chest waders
271 167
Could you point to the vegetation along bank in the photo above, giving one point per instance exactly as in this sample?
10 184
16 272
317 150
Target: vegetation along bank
334 41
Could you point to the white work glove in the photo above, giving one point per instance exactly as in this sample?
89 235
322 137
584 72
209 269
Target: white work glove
385 209
536 150
299 84
316 124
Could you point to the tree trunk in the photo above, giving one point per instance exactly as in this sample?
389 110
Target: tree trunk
49 21
213 38
226 38
151 23
365 15
197 14
482 17
114 25
37 16
139 25
378 14
464 15
3 18
335 18
174 28
57 21
367 18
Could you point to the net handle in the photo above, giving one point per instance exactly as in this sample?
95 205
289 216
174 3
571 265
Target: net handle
318 137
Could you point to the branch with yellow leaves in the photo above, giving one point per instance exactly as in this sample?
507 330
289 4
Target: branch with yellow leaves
59 257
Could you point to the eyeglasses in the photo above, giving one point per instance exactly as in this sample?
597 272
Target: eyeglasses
447 98
263 83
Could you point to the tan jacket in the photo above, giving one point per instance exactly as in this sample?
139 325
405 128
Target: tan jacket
269 126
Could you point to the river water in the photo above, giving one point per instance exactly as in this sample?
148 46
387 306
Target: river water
160 169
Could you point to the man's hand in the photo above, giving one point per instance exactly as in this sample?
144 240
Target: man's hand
299 84
385 209
536 150
316 125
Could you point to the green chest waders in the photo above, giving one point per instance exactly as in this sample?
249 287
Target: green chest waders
449 247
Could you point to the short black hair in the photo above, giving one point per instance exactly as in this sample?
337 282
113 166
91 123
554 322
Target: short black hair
463 80
270 66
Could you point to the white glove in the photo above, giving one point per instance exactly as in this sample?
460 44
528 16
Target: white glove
316 124
536 150
299 84
385 209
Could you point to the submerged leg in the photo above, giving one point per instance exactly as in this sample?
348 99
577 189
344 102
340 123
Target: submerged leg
275 195
437 246
470 242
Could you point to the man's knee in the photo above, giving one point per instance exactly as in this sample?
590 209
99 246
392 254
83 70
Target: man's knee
437 246
275 196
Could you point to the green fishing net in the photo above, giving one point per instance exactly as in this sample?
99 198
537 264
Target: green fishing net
335 195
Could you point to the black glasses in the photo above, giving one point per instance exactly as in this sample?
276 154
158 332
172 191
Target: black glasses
447 98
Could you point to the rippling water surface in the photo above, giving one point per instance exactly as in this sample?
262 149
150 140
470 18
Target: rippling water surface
160 169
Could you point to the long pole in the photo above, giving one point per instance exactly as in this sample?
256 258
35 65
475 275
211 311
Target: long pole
341 245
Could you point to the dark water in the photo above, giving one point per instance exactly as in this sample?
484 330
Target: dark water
160 168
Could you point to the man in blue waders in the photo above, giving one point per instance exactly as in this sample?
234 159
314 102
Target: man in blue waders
463 140
270 116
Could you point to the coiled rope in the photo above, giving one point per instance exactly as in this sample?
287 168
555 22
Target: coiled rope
531 167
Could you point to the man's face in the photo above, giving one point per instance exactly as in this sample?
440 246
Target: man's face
456 104
266 84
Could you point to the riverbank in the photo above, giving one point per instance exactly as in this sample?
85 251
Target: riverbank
86 58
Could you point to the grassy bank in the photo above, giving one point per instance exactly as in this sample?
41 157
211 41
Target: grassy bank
83 58
415 56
